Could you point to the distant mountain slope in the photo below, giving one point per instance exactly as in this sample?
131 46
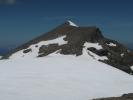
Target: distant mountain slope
70 39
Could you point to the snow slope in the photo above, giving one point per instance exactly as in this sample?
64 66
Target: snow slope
35 48
59 77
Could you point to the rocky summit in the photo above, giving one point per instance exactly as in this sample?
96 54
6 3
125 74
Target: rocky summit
70 39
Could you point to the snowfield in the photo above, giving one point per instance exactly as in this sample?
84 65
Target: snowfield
58 77
35 48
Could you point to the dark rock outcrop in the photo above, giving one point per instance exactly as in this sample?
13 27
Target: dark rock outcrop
101 52
27 50
123 97
45 50
118 56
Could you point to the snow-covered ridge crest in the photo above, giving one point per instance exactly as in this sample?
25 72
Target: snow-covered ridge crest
72 24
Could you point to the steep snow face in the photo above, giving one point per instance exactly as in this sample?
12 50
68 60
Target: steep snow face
35 48
0 57
72 24
62 78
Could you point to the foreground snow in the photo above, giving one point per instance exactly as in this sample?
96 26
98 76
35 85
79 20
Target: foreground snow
58 77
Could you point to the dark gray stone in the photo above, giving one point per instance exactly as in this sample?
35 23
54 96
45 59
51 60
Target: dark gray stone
123 97
27 51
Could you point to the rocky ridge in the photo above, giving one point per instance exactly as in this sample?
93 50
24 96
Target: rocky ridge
123 97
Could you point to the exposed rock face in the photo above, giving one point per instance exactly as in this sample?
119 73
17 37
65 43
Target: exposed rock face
123 97
48 49
118 56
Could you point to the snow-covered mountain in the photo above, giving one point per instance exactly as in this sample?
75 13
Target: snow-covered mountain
67 63
71 39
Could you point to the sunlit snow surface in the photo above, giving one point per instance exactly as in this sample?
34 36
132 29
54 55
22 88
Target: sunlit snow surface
59 77
72 24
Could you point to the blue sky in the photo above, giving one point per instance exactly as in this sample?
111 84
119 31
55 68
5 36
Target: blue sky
23 20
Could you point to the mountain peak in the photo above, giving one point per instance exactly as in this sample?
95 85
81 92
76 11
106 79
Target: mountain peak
71 23
69 39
